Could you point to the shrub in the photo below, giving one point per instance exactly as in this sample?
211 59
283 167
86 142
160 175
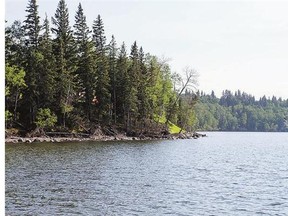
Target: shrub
45 118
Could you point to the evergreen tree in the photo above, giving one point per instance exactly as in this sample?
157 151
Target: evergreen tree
64 48
133 83
33 57
32 24
103 95
99 36
122 87
15 48
46 81
85 63
112 48
143 97
80 78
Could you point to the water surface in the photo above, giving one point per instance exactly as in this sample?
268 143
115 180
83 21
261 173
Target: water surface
222 174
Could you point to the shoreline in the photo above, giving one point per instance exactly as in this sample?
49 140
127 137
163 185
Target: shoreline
99 138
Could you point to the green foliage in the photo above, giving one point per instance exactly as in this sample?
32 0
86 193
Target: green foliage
45 118
32 24
64 50
14 86
86 71
76 75
8 115
112 53
14 79
241 112
172 128
103 84
186 114
8 118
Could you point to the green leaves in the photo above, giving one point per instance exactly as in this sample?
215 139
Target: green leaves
45 118
75 74
14 79
241 112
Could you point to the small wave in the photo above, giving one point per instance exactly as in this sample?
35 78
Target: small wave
241 210
276 204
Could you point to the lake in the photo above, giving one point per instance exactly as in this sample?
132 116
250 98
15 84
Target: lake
222 174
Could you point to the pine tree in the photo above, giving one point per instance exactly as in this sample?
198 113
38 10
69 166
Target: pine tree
103 81
64 48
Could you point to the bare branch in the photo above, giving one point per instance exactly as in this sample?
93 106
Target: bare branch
190 82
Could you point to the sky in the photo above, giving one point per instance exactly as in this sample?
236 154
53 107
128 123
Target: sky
232 44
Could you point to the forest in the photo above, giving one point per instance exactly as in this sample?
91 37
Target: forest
63 77
240 111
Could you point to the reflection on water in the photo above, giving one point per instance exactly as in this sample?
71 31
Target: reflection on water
223 174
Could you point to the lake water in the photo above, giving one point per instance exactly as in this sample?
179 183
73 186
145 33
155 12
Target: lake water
222 174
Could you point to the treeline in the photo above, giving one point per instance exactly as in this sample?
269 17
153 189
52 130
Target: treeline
69 78
240 111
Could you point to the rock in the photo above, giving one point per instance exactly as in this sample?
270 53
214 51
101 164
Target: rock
142 136
14 141
182 136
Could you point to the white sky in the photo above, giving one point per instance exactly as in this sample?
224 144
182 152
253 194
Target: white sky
232 44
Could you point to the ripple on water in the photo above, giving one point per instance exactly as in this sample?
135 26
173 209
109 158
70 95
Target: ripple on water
223 174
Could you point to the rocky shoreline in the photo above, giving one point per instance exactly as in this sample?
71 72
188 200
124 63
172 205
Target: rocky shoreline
117 137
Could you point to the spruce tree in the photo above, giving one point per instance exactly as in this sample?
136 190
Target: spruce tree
47 75
112 53
122 85
15 49
99 37
133 83
143 96
85 62
32 24
103 95
33 57
64 48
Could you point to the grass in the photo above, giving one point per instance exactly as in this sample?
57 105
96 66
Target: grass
173 129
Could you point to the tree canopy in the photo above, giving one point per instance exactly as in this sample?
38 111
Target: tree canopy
240 111
77 79
67 77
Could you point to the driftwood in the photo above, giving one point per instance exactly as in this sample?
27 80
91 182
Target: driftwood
66 134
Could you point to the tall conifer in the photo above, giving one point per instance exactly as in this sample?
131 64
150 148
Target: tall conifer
144 107
33 57
64 48
85 62
133 83
103 80
32 24
122 87
112 52
47 75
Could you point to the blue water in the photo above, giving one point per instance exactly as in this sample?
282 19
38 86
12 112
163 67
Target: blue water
222 174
